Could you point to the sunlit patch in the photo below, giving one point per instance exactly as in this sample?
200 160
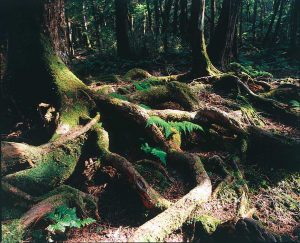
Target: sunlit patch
63 129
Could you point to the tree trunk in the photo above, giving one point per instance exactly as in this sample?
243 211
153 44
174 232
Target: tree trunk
175 17
275 10
123 46
277 26
156 17
201 65
85 25
165 23
183 19
221 44
254 21
295 18
97 24
149 13
26 77
212 17
70 37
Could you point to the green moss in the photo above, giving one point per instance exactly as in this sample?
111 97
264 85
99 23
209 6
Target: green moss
136 73
54 168
208 223
183 95
72 93
12 232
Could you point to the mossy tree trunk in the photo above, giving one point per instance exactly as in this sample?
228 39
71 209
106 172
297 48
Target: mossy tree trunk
201 64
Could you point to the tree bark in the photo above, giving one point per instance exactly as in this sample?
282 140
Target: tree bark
275 10
220 46
254 21
277 26
201 64
212 17
294 29
85 25
156 17
165 23
175 17
123 46
183 19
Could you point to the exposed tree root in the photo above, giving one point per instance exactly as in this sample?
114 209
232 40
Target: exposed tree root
64 195
150 198
171 219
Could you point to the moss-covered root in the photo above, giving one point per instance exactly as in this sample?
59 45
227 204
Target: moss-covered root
53 163
14 230
150 198
175 216
173 91
138 74
277 109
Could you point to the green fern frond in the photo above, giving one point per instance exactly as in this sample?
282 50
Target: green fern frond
155 120
182 127
118 96
162 155
186 127
145 107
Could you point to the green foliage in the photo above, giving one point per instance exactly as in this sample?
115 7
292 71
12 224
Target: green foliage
66 217
118 96
186 127
145 107
295 104
155 152
249 70
182 127
155 120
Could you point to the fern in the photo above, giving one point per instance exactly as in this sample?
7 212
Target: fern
118 96
66 217
295 104
155 120
186 127
145 107
162 155
182 127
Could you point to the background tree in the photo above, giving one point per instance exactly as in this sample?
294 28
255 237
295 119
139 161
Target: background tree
220 47
123 46
201 64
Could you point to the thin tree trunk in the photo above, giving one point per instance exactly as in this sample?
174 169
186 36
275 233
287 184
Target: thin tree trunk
212 17
97 24
156 17
149 14
70 37
254 21
275 10
277 26
175 17
85 25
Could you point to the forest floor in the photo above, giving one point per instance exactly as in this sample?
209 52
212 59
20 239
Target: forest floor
273 192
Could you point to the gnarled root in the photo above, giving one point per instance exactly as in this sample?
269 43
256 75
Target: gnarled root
54 162
150 198
63 195
172 218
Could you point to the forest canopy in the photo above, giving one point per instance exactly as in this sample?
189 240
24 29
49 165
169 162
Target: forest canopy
150 120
